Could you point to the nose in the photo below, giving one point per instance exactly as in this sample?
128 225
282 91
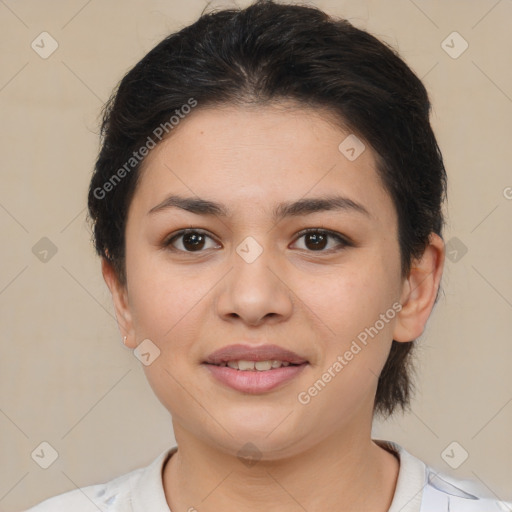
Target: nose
255 292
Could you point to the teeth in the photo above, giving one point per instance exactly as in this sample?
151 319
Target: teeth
245 365
261 366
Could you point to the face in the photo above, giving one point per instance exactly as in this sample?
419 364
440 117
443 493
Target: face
247 274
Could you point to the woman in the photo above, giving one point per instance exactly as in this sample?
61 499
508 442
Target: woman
267 206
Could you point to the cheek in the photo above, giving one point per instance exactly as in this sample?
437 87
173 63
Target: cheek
161 299
346 377
353 305
352 299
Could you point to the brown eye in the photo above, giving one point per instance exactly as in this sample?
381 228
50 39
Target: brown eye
193 241
317 240
190 240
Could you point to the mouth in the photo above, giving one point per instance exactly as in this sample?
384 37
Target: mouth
242 353
254 369
244 365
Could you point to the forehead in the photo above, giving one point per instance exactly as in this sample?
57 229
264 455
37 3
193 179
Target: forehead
252 157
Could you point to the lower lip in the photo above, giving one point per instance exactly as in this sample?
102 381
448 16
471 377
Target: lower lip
254 381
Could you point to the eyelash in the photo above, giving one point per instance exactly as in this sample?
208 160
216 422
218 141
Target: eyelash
342 241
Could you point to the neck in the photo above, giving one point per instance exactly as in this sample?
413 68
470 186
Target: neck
346 472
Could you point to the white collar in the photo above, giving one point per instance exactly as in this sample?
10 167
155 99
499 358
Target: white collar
412 478
147 492
418 488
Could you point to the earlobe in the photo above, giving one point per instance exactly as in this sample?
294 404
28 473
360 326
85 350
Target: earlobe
120 301
420 291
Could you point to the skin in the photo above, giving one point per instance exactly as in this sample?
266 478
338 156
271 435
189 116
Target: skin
318 456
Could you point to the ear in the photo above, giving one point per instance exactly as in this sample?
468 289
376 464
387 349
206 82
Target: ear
419 291
120 300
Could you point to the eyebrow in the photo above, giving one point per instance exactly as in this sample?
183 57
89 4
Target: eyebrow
304 206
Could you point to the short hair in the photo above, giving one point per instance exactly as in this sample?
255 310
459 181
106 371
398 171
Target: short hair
265 53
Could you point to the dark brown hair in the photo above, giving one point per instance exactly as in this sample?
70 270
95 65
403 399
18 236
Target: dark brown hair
271 52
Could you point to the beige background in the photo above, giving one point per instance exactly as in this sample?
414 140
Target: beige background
65 377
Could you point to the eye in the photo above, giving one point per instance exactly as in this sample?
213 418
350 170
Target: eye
190 240
316 240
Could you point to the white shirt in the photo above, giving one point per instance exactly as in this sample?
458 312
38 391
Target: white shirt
419 488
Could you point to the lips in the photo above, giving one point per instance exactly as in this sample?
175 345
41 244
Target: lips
254 353
254 369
